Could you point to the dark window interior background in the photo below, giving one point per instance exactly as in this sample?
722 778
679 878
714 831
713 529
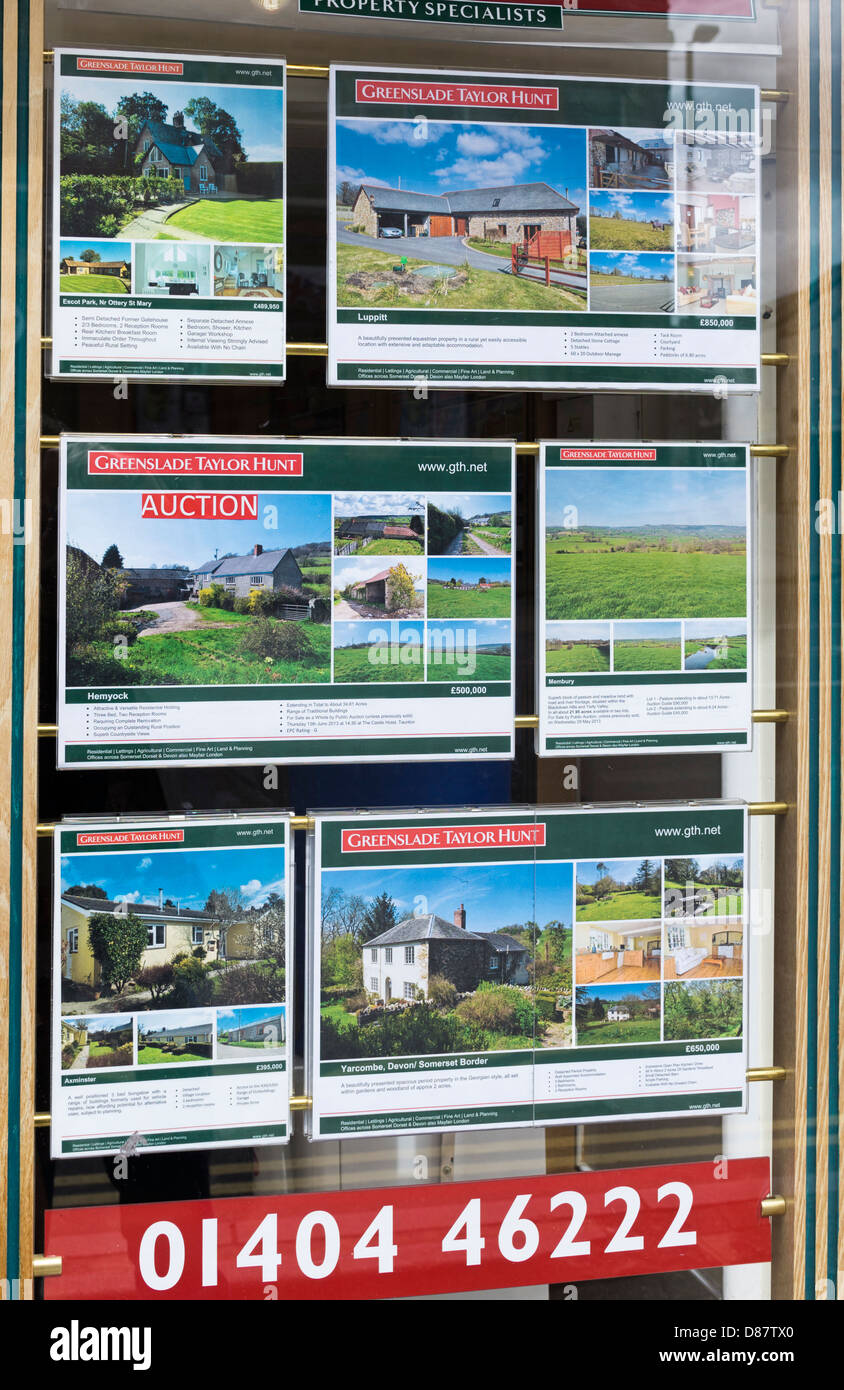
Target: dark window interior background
305 406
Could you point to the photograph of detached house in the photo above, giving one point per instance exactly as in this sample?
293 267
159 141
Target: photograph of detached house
433 221
470 523
469 588
95 267
171 928
200 601
90 1043
629 157
388 523
199 163
484 965
261 1028
617 1014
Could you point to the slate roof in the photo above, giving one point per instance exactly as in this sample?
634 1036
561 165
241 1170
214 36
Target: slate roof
140 909
519 197
373 579
500 942
207 567
179 138
433 928
613 137
264 563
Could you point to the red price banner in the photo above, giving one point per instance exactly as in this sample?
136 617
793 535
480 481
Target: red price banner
393 1242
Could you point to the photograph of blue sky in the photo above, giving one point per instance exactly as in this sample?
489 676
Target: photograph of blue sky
377 634
453 634
184 876
257 111
715 627
451 156
378 504
645 265
636 207
468 504
108 250
95 520
646 497
622 870
495 896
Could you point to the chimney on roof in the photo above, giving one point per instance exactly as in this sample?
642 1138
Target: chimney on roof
257 550
179 120
160 898
460 917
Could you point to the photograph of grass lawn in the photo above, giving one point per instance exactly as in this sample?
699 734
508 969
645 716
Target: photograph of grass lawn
721 648
648 543
617 890
646 647
470 523
625 221
616 1014
388 651
708 885
367 278
469 588
462 650
577 647
256 612
388 523
703 1009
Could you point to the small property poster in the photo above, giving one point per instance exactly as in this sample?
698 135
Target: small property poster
526 966
235 601
496 229
644 619
171 954
167 257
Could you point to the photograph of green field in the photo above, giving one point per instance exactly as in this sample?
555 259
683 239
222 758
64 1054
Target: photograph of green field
469 588
469 651
646 647
577 647
617 890
638 548
627 1013
624 221
703 1009
721 648
707 886
376 652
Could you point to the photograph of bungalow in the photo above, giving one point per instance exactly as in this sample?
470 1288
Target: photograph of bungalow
95 267
366 588
257 1027
388 523
607 1014
614 955
715 222
441 216
715 162
90 1043
630 158
187 1036
248 272
708 283
694 951
183 900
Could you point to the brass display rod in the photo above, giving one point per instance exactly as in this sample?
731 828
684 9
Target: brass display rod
768 359
758 451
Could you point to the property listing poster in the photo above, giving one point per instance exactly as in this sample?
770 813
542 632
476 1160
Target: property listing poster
644 621
520 966
171 952
507 230
168 217
234 601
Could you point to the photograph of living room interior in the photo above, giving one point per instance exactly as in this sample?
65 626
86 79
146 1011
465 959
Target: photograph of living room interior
614 955
698 951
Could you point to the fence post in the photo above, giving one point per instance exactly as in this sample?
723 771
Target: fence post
548 271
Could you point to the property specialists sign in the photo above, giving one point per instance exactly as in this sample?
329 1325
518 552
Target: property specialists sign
644 638
260 600
547 15
525 967
168 217
170 957
507 230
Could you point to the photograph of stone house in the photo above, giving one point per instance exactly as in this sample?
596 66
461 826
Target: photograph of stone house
366 588
170 149
400 962
514 212
630 158
260 569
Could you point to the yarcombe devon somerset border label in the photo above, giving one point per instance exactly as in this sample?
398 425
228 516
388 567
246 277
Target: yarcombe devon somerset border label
170 960
623 255
526 966
644 639
277 600
546 15
168 217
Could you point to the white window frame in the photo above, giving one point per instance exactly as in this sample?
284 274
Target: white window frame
147 144
197 936
73 940
203 172
600 941
410 955
154 930
256 580
230 580
409 989
493 963
388 955
373 955
677 935
373 984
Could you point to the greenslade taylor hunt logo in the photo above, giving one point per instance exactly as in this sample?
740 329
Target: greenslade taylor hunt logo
428 837
196 506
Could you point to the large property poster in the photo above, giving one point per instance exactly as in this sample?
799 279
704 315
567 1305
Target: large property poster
244 601
168 217
644 617
496 229
525 966
170 962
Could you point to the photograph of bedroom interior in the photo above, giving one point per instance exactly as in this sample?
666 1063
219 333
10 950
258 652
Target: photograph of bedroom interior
614 955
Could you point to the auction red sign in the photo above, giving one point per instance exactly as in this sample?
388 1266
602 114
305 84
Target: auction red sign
395 1242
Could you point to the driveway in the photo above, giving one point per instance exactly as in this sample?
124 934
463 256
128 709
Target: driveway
487 548
172 617
433 250
149 223
632 299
